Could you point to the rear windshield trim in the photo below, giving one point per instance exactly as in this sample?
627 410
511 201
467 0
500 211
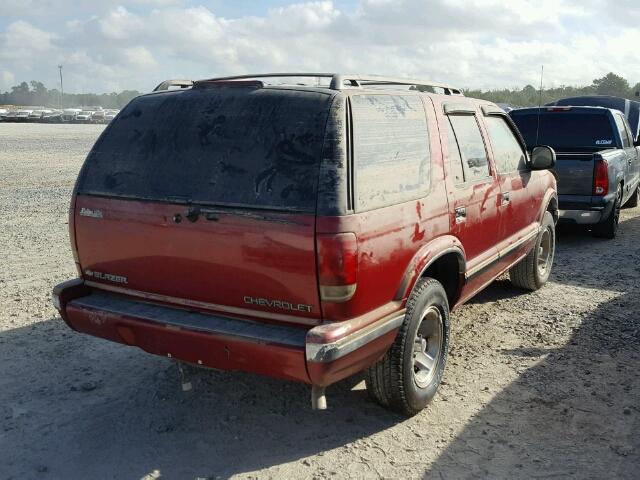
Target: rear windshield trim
175 201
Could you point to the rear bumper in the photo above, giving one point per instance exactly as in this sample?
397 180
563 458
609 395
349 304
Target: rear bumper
584 209
321 355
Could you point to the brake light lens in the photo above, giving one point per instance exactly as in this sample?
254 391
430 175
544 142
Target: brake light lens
558 109
601 177
337 266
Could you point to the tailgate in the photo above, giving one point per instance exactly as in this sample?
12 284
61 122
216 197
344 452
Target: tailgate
206 197
238 262
574 172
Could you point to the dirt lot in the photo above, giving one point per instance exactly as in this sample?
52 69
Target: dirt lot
538 385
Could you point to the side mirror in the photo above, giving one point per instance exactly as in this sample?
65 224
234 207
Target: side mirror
543 158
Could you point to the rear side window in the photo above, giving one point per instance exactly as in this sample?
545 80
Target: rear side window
391 150
622 129
472 150
229 146
507 152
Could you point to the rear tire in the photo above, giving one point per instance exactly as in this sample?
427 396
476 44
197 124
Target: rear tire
532 272
609 228
634 200
407 377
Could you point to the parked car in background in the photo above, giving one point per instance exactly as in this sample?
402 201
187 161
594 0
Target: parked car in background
10 116
3 113
22 115
305 232
598 164
84 116
37 115
69 114
54 116
110 115
630 108
98 116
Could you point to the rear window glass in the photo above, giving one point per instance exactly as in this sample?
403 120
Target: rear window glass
566 130
391 149
221 146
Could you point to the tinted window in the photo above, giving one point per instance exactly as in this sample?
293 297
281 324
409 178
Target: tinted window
565 129
622 130
455 160
391 149
507 152
474 155
224 146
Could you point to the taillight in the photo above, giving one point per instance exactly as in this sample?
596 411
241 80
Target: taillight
601 177
337 266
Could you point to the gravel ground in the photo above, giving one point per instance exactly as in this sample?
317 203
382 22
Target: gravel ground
538 385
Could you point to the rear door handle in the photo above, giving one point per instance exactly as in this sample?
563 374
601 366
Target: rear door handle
505 198
461 214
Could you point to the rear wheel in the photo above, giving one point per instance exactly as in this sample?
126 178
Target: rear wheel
609 228
634 200
408 376
533 271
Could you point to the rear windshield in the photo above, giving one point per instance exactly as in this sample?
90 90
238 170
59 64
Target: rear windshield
566 130
230 146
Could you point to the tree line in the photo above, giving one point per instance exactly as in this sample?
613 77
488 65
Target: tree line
610 84
35 93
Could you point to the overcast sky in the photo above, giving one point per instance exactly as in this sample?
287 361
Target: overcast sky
113 45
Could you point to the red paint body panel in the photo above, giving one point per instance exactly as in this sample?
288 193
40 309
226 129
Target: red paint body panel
189 346
216 262
388 238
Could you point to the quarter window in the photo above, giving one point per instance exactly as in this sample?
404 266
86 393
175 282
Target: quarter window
391 149
507 152
472 150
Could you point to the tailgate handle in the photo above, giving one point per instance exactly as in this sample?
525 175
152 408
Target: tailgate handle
194 213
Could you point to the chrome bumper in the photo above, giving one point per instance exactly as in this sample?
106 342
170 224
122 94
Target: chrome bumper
581 217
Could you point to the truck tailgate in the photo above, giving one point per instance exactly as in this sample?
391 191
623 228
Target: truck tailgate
574 172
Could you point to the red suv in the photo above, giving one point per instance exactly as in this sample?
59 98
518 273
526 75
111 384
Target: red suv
305 232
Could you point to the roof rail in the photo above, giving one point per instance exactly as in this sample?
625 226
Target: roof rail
340 81
173 83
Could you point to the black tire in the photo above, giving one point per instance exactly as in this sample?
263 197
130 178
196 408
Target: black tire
634 200
532 272
609 227
400 381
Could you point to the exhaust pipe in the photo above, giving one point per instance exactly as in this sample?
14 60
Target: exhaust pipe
318 398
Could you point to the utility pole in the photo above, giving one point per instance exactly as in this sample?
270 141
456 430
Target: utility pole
61 88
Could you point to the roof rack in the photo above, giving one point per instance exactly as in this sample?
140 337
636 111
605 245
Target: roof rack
339 81
167 84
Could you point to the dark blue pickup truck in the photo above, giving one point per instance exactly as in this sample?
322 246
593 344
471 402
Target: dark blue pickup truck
598 162
630 108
